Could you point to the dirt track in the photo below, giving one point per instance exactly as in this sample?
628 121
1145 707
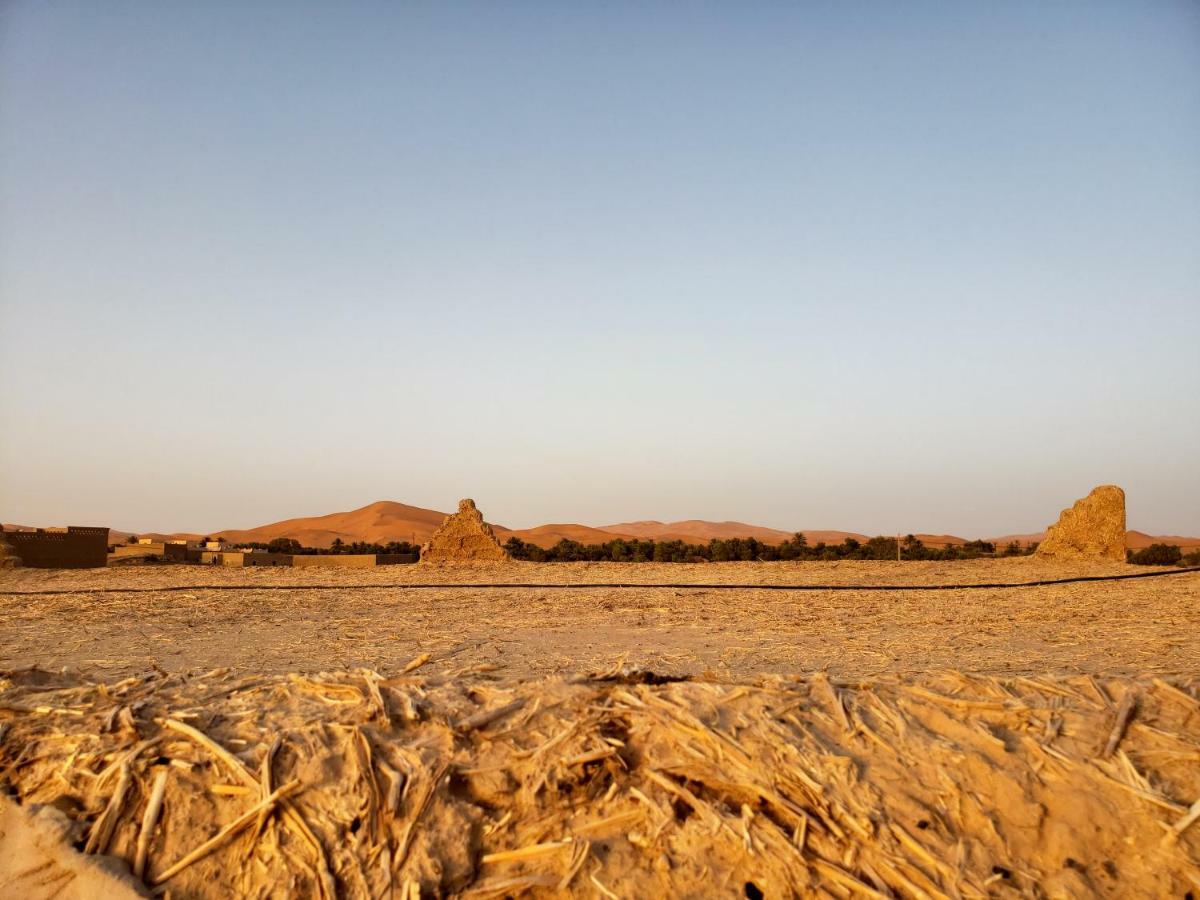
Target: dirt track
1111 628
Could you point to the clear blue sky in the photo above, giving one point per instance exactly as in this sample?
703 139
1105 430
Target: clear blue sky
874 266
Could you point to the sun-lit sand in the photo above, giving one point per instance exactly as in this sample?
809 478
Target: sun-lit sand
1121 627
615 741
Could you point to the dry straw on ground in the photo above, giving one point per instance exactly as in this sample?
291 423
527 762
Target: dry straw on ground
431 783
273 624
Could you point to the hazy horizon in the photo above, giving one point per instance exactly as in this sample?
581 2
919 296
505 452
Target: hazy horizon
449 508
869 268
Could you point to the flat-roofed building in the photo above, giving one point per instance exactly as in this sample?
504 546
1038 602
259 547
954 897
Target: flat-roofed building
73 547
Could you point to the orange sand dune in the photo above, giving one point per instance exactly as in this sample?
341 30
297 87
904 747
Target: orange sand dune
382 521
698 531
549 535
1136 540
939 540
1033 538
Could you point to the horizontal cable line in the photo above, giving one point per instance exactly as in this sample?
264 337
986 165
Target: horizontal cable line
621 585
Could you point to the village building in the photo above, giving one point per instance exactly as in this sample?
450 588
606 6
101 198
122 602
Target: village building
73 547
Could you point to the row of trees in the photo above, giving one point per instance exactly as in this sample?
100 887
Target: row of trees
716 550
292 546
750 549
1163 555
734 549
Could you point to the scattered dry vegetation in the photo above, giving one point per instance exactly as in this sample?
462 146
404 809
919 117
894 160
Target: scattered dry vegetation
355 784
280 625
483 742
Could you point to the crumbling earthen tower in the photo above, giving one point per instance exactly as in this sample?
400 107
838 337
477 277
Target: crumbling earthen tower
463 537
1093 527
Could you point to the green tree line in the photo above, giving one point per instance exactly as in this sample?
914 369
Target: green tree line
294 547
751 549
1162 555
734 549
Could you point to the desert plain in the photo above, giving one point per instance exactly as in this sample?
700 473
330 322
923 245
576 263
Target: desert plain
118 622
280 732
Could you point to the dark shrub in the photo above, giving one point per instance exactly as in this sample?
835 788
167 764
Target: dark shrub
1157 555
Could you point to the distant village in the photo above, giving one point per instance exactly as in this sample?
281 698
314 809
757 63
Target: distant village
220 553
87 547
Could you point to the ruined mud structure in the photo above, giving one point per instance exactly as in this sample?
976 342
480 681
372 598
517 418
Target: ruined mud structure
463 537
1093 528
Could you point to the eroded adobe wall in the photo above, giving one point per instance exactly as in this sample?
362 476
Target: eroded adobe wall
463 537
1094 528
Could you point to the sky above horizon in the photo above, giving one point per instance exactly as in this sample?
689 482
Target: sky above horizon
865 266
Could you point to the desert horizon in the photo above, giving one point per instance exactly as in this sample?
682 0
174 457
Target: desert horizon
390 520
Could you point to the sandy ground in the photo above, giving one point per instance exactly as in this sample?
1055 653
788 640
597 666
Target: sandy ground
465 784
1113 628
484 742
37 861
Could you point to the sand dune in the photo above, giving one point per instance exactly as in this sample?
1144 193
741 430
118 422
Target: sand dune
1136 540
1035 537
382 521
697 531
549 535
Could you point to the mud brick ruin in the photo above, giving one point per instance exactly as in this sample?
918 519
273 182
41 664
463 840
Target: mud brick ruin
1093 527
463 537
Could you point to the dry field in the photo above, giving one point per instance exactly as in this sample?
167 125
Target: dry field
1114 628
346 734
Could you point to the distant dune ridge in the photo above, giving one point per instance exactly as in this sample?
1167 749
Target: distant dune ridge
387 520
697 531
